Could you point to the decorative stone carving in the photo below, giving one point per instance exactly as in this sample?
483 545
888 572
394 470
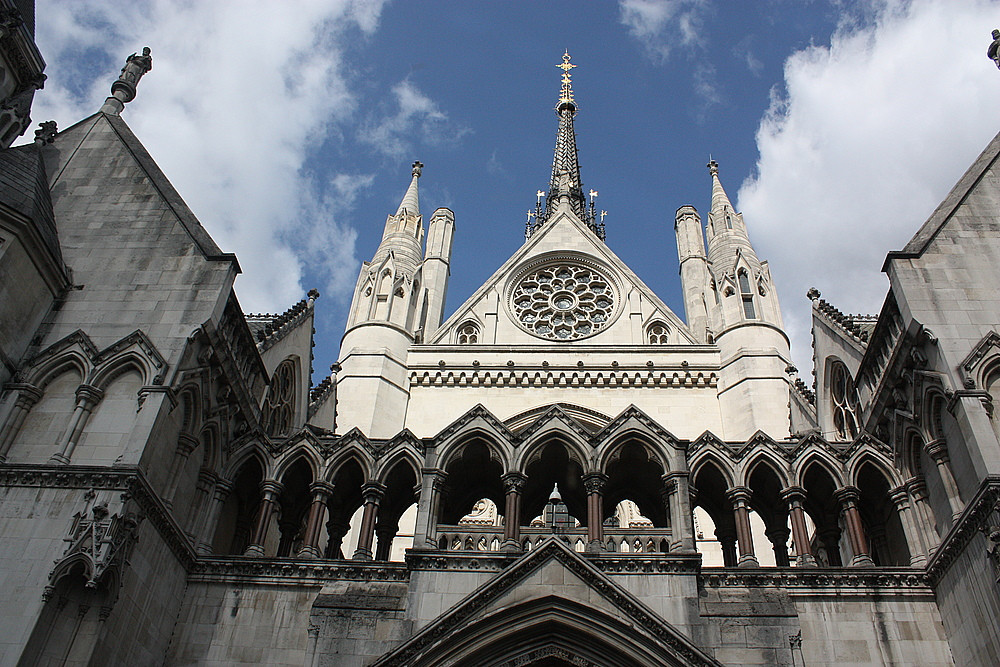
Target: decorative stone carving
563 301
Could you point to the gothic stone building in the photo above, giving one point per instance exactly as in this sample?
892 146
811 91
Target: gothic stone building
562 472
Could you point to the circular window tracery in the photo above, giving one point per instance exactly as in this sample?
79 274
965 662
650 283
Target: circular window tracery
563 301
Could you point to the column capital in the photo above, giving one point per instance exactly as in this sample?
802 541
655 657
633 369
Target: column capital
899 496
595 482
271 488
513 482
917 487
675 475
27 394
937 450
373 492
88 395
793 494
321 490
847 495
222 488
206 477
186 443
739 495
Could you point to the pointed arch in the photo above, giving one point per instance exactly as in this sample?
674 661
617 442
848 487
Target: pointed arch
826 463
252 449
121 364
350 453
708 458
884 467
763 458
555 431
403 456
301 451
70 360
476 433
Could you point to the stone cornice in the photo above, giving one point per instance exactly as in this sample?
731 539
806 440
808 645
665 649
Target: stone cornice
293 572
821 580
126 479
971 521
609 378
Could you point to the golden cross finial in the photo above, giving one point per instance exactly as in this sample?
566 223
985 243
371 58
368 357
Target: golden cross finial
566 94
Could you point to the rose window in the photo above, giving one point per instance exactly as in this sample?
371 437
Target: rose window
563 302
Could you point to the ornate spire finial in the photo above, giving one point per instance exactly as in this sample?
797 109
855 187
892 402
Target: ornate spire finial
417 167
713 167
123 90
566 93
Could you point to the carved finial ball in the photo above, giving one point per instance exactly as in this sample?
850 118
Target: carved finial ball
313 294
417 168
813 294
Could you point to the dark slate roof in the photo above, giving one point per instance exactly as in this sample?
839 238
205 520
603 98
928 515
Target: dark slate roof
24 188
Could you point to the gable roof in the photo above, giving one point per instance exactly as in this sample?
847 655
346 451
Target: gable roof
952 201
584 242
79 132
488 609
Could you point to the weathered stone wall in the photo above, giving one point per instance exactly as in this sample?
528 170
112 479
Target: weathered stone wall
243 623
970 606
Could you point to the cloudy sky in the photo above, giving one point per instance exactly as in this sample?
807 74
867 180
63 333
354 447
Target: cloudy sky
289 127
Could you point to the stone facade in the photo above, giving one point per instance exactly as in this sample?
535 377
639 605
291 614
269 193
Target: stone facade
173 490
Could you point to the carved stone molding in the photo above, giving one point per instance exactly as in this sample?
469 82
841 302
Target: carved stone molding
287 571
824 579
973 519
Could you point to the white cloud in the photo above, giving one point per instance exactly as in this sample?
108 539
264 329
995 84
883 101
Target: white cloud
661 25
416 118
867 138
234 139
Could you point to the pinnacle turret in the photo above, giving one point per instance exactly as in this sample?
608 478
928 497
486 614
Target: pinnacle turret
411 202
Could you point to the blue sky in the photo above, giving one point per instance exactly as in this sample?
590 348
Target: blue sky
289 128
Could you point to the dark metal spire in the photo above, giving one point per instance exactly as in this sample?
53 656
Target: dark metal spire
565 185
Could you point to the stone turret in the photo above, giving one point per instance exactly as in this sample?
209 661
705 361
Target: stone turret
745 319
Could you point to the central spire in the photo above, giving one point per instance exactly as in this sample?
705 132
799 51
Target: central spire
565 186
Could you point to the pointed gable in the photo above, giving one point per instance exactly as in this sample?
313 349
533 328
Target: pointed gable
564 241
517 615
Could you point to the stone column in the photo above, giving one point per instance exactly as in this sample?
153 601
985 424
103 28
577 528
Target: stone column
829 536
923 515
222 489
938 451
848 497
185 445
269 492
594 483
914 542
740 497
321 491
87 397
385 533
428 507
199 506
794 496
681 523
727 540
27 396
513 484
778 537
336 530
372 492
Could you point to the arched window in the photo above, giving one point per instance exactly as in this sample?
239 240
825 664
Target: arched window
468 334
729 220
844 399
746 294
276 415
657 333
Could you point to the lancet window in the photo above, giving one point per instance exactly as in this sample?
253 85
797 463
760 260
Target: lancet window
276 414
657 333
746 294
468 334
844 399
